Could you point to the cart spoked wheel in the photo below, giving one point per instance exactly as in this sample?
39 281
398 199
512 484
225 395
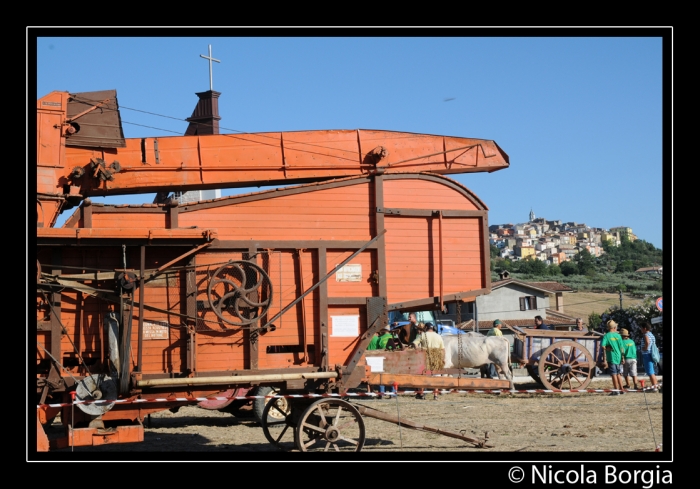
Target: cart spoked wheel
283 405
331 425
278 425
565 365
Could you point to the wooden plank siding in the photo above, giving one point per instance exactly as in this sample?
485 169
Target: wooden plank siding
424 194
117 219
316 217
333 214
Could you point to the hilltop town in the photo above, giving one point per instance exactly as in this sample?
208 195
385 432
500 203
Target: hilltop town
555 242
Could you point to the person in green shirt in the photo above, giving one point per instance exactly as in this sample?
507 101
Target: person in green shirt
379 342
496 330
612 345
629 368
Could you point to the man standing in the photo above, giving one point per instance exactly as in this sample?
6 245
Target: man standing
379 342
629 351
612 344
647 341
430 339
496 330
409 333
489 370
539 323
579 325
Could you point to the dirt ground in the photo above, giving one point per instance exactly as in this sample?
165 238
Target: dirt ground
519 422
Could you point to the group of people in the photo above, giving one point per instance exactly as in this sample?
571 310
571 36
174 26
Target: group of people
620 351
414 335
621 357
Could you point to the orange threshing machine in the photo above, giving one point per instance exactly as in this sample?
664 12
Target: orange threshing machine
281 288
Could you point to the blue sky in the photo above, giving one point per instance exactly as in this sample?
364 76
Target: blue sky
579 117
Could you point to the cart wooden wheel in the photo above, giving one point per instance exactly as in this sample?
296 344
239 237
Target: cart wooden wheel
331 425
283 405
278 425
565 365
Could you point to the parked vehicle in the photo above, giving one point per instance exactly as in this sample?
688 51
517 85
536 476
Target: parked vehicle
399 319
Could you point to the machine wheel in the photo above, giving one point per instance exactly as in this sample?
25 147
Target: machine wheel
96 387
565 365
239 293
283 406
278 426
219 405
533 372
331 424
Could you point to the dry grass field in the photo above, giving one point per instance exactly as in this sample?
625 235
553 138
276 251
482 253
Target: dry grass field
581 304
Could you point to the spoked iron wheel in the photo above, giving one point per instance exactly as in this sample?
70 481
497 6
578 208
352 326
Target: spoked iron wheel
331 425
283 405
239 293
565 365
278 425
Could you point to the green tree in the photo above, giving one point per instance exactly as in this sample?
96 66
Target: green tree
538 267
494 251
594 320
625 267
568 268
585 261
503 264
554 269
631 318
523 266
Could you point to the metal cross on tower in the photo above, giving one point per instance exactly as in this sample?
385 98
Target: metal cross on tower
211 83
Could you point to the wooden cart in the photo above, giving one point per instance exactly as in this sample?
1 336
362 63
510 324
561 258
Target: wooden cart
557 359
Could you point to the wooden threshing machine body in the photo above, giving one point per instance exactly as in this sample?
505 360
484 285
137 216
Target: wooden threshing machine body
186 299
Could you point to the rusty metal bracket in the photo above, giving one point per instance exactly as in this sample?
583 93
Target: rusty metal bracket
465 148
155 150
86 111
181 257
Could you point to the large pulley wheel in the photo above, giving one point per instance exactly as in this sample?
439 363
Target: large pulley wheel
219 404
96 387
239 293
278 425
330 425
566 365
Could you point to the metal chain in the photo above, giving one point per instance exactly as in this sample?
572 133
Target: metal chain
459 338
459 354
